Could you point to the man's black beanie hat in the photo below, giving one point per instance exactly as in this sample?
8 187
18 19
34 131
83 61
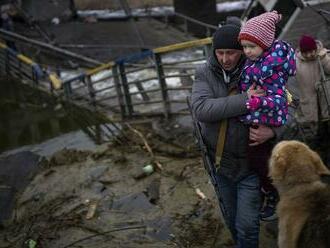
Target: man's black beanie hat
226 37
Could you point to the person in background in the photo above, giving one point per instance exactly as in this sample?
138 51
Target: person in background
7 24
268 66
309 53
237 186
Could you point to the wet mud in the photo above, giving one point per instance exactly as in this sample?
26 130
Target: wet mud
95 199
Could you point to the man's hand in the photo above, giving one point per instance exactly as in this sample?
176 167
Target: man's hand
255 91
260 134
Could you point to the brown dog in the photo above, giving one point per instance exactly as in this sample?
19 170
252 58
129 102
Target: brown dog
304 207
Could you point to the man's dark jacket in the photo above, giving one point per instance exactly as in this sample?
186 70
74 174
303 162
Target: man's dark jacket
211 104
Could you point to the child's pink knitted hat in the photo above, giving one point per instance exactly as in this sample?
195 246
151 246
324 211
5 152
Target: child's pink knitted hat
261 29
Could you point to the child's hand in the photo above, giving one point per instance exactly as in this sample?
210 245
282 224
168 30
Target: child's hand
255 91
254 103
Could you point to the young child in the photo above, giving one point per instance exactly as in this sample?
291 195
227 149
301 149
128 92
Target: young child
269 64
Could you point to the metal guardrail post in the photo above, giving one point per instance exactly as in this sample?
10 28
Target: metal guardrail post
67 90
20 69
91 90
144 95
185 21
207 51
2 65
166 21
162 82
208 32
127 95
119 91
7 62
34 77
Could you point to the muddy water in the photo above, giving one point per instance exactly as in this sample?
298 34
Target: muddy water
30 117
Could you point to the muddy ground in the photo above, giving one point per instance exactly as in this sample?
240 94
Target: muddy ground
100 199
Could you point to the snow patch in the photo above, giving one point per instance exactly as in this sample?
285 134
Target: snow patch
108 13
232 6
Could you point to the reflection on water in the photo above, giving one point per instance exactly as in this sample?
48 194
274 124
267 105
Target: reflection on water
72 140
30 117
23 126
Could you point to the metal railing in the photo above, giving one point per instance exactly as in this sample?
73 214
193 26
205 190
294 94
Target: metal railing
150 83
17 65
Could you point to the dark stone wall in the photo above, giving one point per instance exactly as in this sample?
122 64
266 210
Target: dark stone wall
201 10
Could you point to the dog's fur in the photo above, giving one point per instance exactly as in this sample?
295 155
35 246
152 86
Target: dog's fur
304 206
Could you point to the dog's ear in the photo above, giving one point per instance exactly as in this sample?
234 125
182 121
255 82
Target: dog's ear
277 167
306 166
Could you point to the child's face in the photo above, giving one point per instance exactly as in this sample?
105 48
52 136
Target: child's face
251 49
310 55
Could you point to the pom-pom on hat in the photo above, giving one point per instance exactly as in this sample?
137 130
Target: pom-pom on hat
261 29
226 36
307 43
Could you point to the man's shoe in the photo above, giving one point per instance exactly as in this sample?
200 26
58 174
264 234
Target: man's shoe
268 211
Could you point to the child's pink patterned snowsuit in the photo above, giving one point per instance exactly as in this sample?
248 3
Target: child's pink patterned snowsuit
271 71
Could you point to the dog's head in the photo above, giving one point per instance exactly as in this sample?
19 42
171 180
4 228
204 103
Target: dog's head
293 162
